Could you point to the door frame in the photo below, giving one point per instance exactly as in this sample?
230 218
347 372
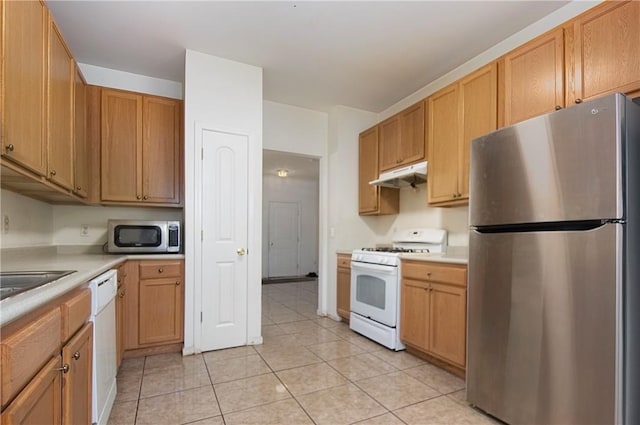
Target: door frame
297 203
193 292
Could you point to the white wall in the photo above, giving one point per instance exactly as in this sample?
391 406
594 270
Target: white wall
305 193
297 130
30 221
68 219
220 93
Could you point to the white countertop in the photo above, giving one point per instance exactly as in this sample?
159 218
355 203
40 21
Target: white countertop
87 266
454 254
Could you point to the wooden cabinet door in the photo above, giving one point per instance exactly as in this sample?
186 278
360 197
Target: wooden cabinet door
412 135
120 313
121 146
161 310
367 171
389 144
24 54
161 156
81 158
447 322
130 298
479 103
40 401
414 316
343 288
534 78
60 110
606 46
443 128
76 386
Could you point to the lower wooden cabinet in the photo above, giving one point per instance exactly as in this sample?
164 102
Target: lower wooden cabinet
152 305
120 310
343 286
47 359
39 402
77 358
434 310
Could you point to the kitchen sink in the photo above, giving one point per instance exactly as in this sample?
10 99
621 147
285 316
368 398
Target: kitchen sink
12 283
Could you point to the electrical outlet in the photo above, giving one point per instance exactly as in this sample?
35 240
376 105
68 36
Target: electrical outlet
5 224
84 230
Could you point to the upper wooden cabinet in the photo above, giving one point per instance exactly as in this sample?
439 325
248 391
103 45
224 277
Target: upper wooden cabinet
373 200
606 42
402 138
80 156
141 152
458 114
24 72
60 103
534 78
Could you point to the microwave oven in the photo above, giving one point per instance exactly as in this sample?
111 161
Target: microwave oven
143 236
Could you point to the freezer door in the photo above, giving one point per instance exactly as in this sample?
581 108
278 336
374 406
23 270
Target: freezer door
562 166
542 325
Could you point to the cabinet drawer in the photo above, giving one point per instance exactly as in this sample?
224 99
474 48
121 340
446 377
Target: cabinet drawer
344 261
156 269
25 351
75 313
432 272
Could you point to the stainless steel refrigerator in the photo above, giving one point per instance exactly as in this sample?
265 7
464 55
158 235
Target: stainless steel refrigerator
554 296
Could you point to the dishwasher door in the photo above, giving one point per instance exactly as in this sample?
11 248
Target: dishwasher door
103 316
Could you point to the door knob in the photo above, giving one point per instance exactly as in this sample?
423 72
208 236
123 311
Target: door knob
240 251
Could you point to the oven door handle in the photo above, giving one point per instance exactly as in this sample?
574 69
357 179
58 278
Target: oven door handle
355 265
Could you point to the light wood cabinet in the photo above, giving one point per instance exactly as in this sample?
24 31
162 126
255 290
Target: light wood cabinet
433 310
402 138
120 313
40 402
80 155
458 114
77 357
606 41
46 368
60 102
343 287
141 149
533 78
153 304
373 200
24 73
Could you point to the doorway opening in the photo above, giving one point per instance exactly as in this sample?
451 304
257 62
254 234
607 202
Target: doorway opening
290 214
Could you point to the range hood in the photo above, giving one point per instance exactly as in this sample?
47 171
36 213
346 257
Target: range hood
411 175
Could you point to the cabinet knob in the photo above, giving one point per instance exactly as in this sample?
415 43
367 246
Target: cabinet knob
145 197
64 368
10 148
578 100
177 283
76 355
53 172
558 107
78 188
160 270
121 294
398 161
138 197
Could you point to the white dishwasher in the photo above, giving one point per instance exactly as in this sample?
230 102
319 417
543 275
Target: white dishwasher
103 316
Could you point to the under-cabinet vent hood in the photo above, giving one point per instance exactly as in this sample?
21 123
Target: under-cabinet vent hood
411 175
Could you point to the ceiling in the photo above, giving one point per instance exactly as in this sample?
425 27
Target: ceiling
299 167
315 54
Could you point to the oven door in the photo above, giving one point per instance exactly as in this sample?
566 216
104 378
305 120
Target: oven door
374 292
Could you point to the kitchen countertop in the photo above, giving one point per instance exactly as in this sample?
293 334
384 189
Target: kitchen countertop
88 264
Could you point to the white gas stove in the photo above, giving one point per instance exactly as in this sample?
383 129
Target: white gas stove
375 284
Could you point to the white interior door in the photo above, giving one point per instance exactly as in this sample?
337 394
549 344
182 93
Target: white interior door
284 229
224 239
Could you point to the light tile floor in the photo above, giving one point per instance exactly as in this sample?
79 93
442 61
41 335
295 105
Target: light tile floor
310 370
